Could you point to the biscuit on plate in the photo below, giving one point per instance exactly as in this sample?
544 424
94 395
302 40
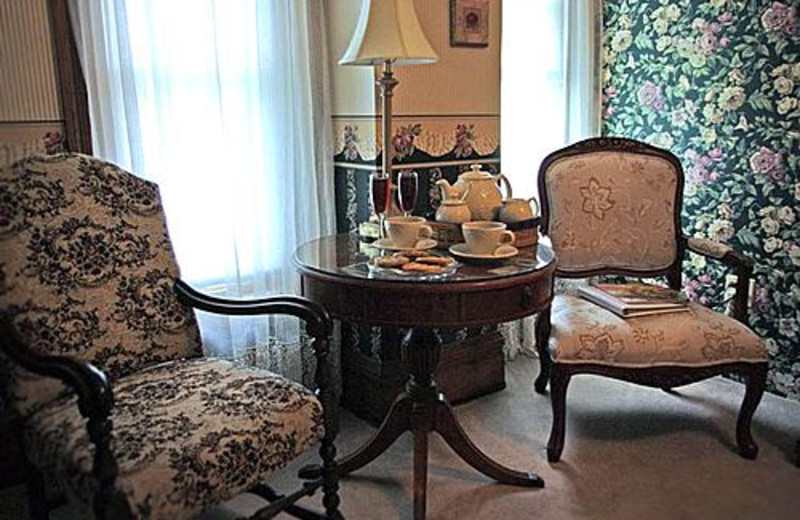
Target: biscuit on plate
435 260
391 261
422 268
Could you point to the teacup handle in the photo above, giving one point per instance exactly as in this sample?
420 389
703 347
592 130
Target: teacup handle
425 231
507 238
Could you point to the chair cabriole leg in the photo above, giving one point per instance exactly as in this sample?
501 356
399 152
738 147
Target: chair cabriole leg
756 376
559 379
542 339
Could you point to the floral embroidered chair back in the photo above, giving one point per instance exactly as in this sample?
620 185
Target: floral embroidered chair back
87 270
612 204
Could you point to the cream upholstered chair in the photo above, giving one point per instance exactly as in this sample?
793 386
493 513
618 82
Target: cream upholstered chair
611 206
100 353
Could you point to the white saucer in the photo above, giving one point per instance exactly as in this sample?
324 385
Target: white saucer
385 243
504 251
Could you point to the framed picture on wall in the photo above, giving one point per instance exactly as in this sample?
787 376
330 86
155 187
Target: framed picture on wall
469 23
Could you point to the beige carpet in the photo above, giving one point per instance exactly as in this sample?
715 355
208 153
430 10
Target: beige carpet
631 453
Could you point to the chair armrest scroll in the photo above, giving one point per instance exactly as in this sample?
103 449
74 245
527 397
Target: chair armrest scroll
318 322
741 264
95 397
318 325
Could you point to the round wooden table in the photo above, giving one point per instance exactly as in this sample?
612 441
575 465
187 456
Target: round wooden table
335 274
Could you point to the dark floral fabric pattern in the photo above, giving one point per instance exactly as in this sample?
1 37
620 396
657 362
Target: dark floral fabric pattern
717 82
187 435
83 253
27 197
87 268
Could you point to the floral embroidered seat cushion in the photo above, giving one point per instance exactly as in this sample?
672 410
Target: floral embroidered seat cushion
187 435
583 332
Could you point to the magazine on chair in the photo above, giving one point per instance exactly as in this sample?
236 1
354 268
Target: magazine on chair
635 299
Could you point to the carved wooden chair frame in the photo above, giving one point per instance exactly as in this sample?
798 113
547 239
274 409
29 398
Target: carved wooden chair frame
664 377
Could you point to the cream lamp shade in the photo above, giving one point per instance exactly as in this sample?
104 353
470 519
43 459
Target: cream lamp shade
388 30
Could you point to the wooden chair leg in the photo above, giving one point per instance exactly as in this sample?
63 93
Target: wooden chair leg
756 382
559 380
542 339
330 478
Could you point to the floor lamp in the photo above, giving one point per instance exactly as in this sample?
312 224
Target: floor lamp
388 33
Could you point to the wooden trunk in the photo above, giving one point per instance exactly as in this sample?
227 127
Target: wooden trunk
467 369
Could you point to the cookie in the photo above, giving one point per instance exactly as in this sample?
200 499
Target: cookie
391 261
435 260
414 253
422 268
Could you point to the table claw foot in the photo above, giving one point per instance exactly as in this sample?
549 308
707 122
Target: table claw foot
455 436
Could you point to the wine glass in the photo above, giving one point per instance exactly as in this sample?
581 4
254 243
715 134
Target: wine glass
408 183
380 186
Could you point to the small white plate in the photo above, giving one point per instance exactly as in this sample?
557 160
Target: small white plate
504 251
385 243
396 272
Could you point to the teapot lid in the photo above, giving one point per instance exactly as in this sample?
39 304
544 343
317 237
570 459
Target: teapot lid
475 173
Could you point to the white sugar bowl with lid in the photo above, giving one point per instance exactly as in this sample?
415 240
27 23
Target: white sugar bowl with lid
453 207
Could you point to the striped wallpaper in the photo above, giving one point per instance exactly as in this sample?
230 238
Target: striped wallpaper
28 88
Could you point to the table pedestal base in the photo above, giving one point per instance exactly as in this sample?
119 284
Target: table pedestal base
422 409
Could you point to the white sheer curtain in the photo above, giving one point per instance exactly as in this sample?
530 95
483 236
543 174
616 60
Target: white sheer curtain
550 96
223 104
550 82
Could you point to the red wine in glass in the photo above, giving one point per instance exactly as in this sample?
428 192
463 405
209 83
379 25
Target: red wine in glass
380 187
408 182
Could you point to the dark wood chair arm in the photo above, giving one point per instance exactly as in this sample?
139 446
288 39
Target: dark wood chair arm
318 322
95 396
742 266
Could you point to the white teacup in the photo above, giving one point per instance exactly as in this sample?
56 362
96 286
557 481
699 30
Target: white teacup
407 231
483 237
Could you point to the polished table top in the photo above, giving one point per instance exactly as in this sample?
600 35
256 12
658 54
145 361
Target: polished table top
351 290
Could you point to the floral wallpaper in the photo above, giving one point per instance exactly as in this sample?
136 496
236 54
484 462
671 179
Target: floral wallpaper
717 82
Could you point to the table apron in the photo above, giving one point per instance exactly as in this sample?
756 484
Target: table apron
413 307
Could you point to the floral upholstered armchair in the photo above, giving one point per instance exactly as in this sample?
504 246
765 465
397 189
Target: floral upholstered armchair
100 353
611 206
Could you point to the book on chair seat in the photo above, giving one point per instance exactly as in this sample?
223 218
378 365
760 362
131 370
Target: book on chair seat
634 299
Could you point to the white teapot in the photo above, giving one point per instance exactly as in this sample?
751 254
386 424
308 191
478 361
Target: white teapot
481 192
453 207
517 210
